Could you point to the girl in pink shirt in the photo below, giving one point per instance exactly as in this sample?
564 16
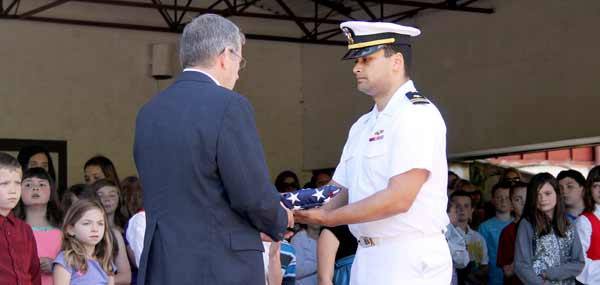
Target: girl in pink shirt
39 208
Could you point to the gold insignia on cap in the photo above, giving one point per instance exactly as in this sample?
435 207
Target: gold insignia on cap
372 43
348 34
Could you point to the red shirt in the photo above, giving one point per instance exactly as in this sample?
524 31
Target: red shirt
19 263
506 252
593 252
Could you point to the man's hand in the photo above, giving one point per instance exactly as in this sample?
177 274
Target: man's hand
46 264
317 216
290 225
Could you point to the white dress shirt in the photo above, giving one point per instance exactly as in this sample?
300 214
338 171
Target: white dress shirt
382 144
205 73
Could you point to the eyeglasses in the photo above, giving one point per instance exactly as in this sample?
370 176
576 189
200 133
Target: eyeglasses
242 59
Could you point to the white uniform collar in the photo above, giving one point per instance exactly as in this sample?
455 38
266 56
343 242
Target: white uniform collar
203 72
397 99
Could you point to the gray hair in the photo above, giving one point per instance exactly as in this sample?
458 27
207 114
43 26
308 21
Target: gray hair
206 37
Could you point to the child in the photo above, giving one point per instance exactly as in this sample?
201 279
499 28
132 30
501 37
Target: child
109 195
336 249
100 167
279 267
136 230
506 245
456 243
476 271
39 208
571 183
548 250
36 156
588 228
136 227
305 244
132 194
74 193
491 229
19 263
86 256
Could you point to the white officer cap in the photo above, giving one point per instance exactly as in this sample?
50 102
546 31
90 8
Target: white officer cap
365 38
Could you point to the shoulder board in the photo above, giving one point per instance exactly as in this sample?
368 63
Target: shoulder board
416 98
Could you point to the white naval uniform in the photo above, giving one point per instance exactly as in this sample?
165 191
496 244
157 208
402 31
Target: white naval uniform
410 248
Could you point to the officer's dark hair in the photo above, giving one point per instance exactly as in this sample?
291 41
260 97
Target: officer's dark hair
406 52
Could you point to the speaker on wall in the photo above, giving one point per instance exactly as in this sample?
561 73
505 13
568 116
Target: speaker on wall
162 61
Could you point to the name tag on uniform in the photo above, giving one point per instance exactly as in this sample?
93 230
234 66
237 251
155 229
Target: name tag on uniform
376 138
378 135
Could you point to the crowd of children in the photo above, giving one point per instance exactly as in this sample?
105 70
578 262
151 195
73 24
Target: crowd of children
546 231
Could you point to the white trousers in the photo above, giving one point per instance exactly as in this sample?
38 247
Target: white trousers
411 260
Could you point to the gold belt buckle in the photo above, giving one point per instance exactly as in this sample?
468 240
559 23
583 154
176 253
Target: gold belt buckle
366 242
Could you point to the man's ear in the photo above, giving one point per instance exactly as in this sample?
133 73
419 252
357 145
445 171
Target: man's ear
398 62
220 60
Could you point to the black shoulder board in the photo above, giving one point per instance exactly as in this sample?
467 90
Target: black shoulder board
416 98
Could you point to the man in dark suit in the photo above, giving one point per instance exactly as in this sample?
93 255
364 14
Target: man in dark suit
207 191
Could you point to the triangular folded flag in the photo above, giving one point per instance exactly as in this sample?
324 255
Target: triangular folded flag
307 198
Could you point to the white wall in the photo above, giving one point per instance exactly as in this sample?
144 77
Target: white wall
85 85
526 74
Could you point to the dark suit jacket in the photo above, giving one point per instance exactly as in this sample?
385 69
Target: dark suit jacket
207 191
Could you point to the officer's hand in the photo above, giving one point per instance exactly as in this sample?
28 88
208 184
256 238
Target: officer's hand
317 216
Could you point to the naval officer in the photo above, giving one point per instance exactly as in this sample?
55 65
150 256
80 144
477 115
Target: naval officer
393 167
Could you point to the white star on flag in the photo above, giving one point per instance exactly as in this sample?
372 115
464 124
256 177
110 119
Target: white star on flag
294 198
318 194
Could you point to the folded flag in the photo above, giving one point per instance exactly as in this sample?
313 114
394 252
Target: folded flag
307 198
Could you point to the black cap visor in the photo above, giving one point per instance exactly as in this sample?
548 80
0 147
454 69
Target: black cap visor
360 52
